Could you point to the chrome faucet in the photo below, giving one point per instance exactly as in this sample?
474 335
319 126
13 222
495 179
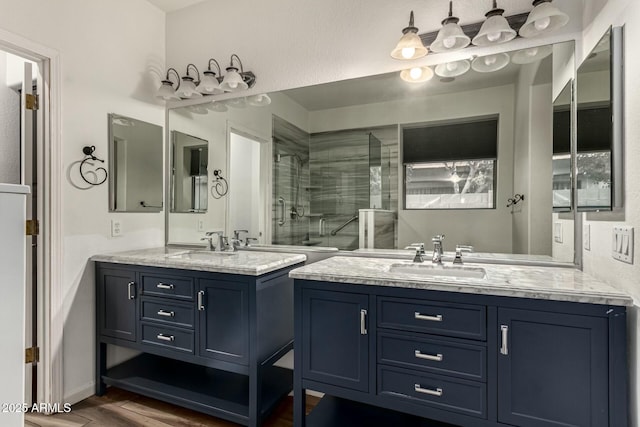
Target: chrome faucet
437 249
209 238
459 250
419 253
247 241
236 241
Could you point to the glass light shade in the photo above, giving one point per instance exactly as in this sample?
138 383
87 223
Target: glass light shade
543 19
237 102
217 106
490 63
166 92
188 88
409 47
260 100
532 54
453 69
209 84
450 38
198 109
417 74
494 30
233 81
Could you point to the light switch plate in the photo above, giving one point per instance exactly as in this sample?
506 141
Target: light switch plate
557 232
200 225
586 237
116 228
623 244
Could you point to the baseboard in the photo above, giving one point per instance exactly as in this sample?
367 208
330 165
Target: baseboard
80 394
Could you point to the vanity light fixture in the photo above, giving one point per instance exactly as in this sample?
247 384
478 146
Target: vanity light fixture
236 79
240 102
543 19
187 88
217 106
495 29
417 74
532 54
166 90
410 45
490 63
453 69
209 85
260 100
450 37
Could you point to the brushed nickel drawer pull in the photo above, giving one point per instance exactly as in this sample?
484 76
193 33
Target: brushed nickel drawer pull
131 290
166 313
363 322
164 286
436 318
436 392
164 337
437 358
201 300
504 350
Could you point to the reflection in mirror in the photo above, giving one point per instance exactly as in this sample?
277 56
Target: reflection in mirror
190 156
338 162
562 150
135 165
598 139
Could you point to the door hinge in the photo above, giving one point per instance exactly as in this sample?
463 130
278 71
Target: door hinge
32 355
32 227
32 101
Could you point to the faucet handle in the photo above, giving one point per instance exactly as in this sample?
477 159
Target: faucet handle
209 240
249 239
464 248
211 233
236 233
437 238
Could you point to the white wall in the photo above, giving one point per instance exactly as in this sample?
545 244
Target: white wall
9 126
112 54
598 261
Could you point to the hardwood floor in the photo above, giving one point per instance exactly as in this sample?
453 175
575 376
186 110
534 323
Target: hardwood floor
119 408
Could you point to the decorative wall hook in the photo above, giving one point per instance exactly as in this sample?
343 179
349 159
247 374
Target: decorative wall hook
92 177
220 187
517 198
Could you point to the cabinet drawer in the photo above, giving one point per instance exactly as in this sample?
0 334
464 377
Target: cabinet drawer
450 394
173 314
166 337
160 285
433 355
456 320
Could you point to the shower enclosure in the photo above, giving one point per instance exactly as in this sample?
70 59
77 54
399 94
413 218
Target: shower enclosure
322 180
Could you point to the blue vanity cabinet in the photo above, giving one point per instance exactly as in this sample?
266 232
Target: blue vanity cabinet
335 345
551 369
208 341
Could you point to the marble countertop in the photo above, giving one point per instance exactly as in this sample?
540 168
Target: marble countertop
549 283
241 262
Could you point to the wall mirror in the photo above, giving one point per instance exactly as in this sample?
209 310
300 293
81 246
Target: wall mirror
337 151
599 126
189 185
135 165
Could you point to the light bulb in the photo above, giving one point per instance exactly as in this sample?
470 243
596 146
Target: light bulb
494 37
415 73
452 66
408 52
233 85
542 23
532 52
449 42
490 60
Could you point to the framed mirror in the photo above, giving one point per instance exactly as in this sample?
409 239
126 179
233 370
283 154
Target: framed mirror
135 165
599 158
338 151
189 179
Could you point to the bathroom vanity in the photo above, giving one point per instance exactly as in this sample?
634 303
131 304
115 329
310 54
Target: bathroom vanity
393 342
209 326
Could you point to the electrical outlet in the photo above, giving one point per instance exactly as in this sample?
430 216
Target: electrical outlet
586 237
116 228
557 232
623 244
201 225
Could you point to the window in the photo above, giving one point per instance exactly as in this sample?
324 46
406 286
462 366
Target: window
451 166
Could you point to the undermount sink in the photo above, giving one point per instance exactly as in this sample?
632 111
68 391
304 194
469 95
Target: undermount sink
435 270
202 255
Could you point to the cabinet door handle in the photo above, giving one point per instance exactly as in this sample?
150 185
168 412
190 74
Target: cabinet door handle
436 318
164 285
436 358
201 300
505 336
363 322
131 290
164 337
166 313
436 392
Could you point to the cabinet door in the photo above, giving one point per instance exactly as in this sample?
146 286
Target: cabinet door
224 320
552 369
117 307
335 342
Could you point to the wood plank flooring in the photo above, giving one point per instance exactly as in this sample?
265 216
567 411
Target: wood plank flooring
120 408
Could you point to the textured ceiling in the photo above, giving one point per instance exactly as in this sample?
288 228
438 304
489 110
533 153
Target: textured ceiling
171 5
